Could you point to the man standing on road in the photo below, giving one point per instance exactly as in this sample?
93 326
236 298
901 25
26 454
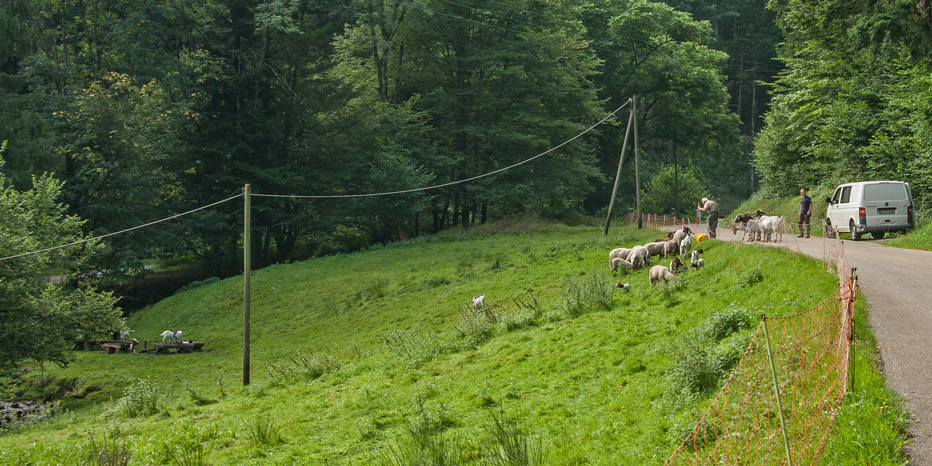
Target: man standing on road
805 211
710 207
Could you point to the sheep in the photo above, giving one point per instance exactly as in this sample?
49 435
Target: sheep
671 248
168 335
660 273
771 225
752 230
643 257
478 301
685 246
618 253
655 249
619 262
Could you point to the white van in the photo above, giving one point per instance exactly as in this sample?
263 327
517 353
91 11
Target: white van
874 207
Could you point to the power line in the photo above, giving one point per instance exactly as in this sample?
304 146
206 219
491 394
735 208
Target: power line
122 231
451 183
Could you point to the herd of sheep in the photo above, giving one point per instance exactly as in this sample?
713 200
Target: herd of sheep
677 243
759 227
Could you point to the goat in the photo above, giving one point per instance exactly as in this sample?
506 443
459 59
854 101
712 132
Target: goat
124 334
177 336
168 335
698 264
740 223
771 225
685 246
752 230
624 287
695 256
478 301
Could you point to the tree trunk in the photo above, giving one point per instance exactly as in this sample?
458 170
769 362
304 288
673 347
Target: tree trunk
484 213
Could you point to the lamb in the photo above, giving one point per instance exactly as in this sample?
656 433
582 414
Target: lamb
686 245
177 336
660 273
619 262
624 287
676 265
478 301
168 335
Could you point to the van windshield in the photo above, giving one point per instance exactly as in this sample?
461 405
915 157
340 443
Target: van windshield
885 192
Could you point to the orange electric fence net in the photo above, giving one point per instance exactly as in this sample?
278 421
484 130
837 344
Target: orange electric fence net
778 405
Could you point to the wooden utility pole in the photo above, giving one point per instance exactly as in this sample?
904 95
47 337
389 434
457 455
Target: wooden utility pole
247 265
624 146
637 169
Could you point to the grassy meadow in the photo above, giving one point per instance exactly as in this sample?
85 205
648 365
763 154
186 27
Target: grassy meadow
376 358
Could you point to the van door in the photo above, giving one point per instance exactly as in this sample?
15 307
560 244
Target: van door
845 208
832 212
886 204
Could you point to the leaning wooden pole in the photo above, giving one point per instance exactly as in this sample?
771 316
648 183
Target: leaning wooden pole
776 393
621 161
247 266
637 169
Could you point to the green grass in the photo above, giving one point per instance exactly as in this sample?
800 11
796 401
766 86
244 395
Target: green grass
919 238
371 357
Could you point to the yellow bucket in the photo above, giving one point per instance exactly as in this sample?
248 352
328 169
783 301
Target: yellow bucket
701 237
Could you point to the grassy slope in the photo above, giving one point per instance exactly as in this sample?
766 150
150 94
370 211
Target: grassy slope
593 386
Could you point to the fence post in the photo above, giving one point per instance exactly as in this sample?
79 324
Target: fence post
776 393
850 318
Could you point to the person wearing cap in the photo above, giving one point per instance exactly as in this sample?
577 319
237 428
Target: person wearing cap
710 207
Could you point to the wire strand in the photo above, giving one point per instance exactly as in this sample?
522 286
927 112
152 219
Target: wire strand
451 183
121 231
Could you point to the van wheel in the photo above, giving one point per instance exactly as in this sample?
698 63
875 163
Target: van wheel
854 233
877 234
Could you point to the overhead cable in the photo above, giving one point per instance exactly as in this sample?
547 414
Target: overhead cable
451 183
144 225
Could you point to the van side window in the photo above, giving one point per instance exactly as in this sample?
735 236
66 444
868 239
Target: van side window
836 196
845 194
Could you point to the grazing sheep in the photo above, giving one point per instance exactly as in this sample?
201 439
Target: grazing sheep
655 249
660 273
643 257
685 246
619 262
671 248
478 301
618 253
168 335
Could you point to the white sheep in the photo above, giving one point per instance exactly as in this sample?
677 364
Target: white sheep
618 253
478 301
752 230
685 245
771 225
619 262
642 255
659 273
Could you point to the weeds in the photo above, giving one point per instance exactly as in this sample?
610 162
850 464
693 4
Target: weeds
143 398
527 313
108 451
750 277
426 443
262 431
302 369
512 445
476 324
588 293
413 347
189 447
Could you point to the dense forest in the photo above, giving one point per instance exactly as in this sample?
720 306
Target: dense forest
144 109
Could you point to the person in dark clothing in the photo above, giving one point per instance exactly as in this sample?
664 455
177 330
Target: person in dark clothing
805 211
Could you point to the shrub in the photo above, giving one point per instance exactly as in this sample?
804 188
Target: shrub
750 277
527 313
142 398
475 325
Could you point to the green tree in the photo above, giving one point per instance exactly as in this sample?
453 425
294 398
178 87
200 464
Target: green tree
659 197
40 320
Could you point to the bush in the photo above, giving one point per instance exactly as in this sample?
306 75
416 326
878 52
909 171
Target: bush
750 277
475 325
142 398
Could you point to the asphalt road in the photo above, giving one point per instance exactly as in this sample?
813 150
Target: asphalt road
898 286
